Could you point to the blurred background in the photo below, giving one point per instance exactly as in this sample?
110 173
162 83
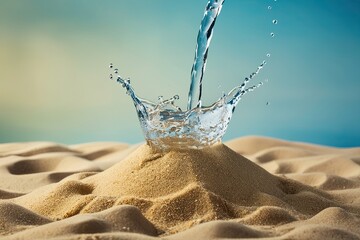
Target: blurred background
55 56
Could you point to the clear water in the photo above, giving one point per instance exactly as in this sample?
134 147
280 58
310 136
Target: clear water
212 11
165 125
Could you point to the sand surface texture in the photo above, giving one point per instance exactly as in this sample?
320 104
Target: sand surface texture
251 187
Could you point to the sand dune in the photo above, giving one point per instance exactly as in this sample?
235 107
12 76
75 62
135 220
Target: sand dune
252 187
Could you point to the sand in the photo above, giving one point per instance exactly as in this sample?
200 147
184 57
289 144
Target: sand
251 187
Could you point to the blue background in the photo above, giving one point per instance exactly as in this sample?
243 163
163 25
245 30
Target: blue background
54 58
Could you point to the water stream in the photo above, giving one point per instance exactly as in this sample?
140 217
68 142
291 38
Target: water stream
165 125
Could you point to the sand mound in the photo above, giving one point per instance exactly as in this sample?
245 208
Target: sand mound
14 218
146 174
124 219
115 191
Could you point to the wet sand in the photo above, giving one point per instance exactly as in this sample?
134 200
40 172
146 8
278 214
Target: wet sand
251 187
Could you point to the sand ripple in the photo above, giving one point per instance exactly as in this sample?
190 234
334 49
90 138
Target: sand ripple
279 190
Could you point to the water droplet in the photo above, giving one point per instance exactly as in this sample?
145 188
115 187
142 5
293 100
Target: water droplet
275 21
160 98
116 71
268 55
111 76
272 34
269 7
176 97
267 103
111 65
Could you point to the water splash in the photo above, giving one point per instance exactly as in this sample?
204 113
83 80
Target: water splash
165 125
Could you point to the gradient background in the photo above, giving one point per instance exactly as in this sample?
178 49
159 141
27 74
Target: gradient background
54 58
